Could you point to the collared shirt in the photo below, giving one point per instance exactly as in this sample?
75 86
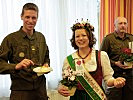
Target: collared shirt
113 44
17 46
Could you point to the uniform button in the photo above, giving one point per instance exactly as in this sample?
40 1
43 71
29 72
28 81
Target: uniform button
34 76
124 73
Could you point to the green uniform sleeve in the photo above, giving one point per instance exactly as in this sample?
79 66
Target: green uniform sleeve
5 52
105 46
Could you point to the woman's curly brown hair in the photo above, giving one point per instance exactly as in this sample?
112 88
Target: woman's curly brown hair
89 30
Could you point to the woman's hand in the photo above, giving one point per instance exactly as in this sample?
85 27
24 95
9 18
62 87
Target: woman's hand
63 90
119 82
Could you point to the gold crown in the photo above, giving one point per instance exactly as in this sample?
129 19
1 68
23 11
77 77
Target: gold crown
82 25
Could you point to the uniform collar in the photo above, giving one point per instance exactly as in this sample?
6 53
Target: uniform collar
117 36
24 35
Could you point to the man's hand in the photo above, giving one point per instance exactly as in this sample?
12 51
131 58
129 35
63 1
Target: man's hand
24 64
119 64
46 65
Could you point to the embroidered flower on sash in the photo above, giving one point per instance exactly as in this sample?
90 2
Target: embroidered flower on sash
79 62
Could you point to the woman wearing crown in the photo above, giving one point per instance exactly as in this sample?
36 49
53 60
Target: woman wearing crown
94 66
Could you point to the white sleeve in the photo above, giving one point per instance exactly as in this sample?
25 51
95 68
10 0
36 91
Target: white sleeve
65 65
106 67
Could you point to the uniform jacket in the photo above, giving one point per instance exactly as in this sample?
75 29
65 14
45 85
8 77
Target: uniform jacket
17 46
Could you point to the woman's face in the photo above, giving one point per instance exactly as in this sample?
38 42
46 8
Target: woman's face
81 38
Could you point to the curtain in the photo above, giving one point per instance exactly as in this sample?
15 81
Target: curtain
55 19
109 10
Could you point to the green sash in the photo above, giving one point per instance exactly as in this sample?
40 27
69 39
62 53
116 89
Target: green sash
95 94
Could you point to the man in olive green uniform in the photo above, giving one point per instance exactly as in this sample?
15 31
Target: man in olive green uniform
113 44
20 52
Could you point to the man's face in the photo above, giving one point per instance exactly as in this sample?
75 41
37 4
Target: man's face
121 25
29 20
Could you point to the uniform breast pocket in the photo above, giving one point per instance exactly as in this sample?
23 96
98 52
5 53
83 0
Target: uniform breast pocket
115 48
20 52
42 48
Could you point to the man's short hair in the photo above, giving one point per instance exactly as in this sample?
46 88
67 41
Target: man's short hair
30 6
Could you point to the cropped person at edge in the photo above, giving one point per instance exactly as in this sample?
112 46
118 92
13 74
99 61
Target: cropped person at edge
113 44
